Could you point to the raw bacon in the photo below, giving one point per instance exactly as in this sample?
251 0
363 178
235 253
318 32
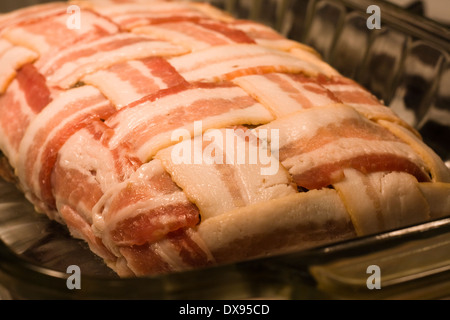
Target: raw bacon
326 140
26 97
132 15
227 62
148 125
227 171
195 35
13 59
129 81
169 136
72 64
48 36
65 115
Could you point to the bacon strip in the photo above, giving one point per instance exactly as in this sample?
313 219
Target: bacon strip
72 64
4 46
224 170
12 60
295 222
195 35
148 125
285 94
181 250
382 201
351 93
84 171
132 15
27 95
143 209
86 162
317 144
36 12
15 117
40 35
68 113
265 36
126 82
231 61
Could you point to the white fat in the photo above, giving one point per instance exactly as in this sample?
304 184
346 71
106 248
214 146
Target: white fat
85 154
349 148
40 122
12 60
280 102
382 201
170 256
5 145
216 70
210 188
129 119
304 124
255 114
166 33
4 46
119 92
71 72
22 37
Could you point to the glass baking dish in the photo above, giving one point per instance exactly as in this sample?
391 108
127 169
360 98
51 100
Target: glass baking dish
406 63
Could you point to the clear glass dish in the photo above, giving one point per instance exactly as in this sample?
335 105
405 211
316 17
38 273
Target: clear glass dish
406 63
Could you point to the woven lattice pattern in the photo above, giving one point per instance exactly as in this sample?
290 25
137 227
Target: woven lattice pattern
169 135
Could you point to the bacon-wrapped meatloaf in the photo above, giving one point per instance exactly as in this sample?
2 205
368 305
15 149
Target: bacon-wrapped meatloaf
169 135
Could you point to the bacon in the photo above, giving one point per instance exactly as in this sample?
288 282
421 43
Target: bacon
230 171
48 36
148 125
79 228
4 46
72 64
27 95
11 60
288 93
15 117
312 57
294 223
348 91
285 94
84 171
126 82
144 209
181 250
167 134
36 12
132 15
438 170
231 61
33 84
196 35
265 36
65 115
351 93
85 162
317 144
